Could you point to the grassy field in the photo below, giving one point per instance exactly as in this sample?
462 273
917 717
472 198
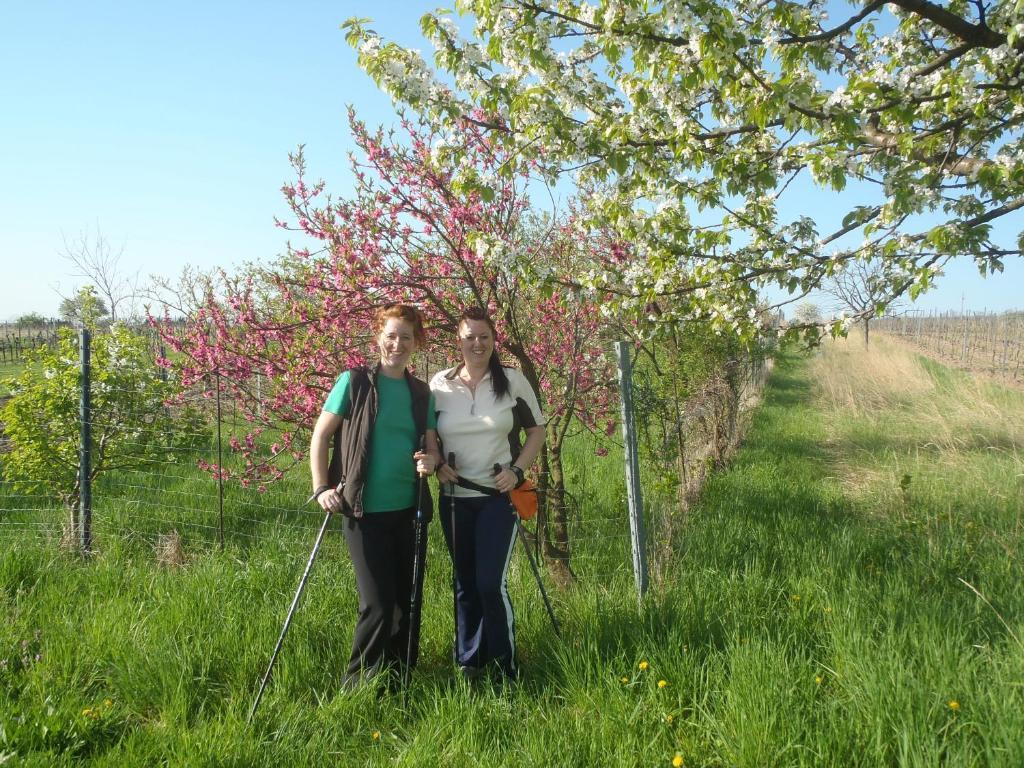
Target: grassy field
6 370
847 594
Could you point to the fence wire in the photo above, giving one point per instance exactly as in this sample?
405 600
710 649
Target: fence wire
158 491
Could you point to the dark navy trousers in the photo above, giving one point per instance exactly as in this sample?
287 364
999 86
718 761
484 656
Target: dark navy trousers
481 548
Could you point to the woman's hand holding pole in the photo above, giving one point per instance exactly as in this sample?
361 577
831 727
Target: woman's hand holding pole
426 462
505 480
446 474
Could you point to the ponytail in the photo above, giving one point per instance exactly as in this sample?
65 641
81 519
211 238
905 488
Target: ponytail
499 379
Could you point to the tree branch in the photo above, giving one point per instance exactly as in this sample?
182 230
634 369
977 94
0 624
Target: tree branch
852 226
846 26
995 213
958 165
979 35
949 56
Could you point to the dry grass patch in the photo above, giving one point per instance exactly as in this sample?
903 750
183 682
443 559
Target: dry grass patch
850 378
890 384
69 540
169 550
898 415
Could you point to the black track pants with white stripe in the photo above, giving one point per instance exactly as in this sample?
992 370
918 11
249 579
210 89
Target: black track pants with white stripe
485 534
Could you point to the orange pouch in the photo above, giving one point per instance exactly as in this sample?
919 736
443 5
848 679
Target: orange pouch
524 499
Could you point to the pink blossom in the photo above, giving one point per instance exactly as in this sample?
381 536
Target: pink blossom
402 236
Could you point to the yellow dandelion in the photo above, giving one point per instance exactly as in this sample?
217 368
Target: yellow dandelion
623 679
954 705
818 679
643 665
662 683
376 735
87 712
677 761
828 609
108 703
669 719
795 598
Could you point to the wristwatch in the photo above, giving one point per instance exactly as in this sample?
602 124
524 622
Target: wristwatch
316 494
518 472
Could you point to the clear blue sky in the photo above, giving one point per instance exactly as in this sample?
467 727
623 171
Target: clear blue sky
168 126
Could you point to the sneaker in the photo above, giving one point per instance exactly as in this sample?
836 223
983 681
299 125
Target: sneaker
470 674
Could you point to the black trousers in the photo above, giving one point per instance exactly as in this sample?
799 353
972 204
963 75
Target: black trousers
381 545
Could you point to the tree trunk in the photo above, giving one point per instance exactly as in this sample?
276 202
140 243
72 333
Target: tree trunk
70 539
867 323
556 542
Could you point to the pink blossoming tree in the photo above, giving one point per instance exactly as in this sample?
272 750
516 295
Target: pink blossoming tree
440 221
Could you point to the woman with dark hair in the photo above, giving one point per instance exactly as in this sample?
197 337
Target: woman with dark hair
375 419
482 407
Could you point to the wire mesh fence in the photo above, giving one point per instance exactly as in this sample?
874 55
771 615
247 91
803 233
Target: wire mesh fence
152 498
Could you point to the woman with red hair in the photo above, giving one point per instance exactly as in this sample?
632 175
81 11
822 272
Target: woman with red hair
376 419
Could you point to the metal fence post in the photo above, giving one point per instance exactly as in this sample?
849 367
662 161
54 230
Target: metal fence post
633 495
220 469
84 449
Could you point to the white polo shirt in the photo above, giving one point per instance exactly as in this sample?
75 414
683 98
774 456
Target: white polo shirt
482 430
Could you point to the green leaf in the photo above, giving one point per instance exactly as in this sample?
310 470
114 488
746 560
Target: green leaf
619 163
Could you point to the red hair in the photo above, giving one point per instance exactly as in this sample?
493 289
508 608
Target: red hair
402 312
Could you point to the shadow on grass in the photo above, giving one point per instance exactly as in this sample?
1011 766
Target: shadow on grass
883 444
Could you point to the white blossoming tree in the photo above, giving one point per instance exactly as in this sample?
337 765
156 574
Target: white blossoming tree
689 120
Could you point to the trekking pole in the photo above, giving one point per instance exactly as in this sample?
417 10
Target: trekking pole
291 611
455 576
417 580
533 561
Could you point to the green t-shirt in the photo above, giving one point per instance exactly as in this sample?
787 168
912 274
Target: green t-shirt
390 473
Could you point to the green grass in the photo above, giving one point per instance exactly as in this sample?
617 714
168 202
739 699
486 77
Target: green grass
9 369
814 617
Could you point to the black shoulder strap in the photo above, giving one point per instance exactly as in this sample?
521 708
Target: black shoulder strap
464 483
